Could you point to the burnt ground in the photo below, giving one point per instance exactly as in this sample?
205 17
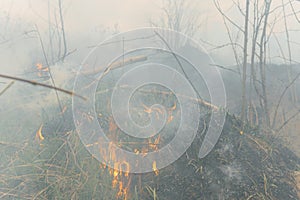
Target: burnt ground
241 166
251 165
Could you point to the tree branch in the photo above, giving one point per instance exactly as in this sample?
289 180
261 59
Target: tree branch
43 85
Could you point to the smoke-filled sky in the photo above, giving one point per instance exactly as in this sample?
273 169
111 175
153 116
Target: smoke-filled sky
87 21
91 21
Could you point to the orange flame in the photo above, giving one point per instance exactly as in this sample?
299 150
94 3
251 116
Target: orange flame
39 134
154 145
157 140
136 151
144 151
46 69
170 118
155 170
126 170
120 193
41 69
174 106
147 109
116 171
120 171
39 66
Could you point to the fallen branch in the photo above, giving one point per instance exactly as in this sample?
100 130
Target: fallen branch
43 85
115 65
198 100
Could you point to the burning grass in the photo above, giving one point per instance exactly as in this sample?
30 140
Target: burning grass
54 164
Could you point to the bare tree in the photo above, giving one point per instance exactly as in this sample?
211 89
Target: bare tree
245 56
178 16
258 28
58 48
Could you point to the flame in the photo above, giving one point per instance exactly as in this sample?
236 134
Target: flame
39 66
157 140
114 182
154 145
173 107
126 170
170 118
92 144
102 166
120 167
136 151
170 115
147 109
116 171
120 193
155 170
144 151
39 134
121 178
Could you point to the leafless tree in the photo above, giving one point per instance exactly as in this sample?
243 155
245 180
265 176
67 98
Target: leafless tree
179 16
258 28
245 57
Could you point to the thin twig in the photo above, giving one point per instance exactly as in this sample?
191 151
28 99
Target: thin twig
288 120
48 66
281 97
179 63
6 88
226 17
63 30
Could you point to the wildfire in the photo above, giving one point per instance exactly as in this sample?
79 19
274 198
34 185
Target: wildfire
147 109
170 118
120 171
136 151
155 170
120 178
154 145
174 106
39 136
41 69
39 66
170 111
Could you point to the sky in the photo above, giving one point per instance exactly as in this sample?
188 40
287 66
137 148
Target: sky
88 22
